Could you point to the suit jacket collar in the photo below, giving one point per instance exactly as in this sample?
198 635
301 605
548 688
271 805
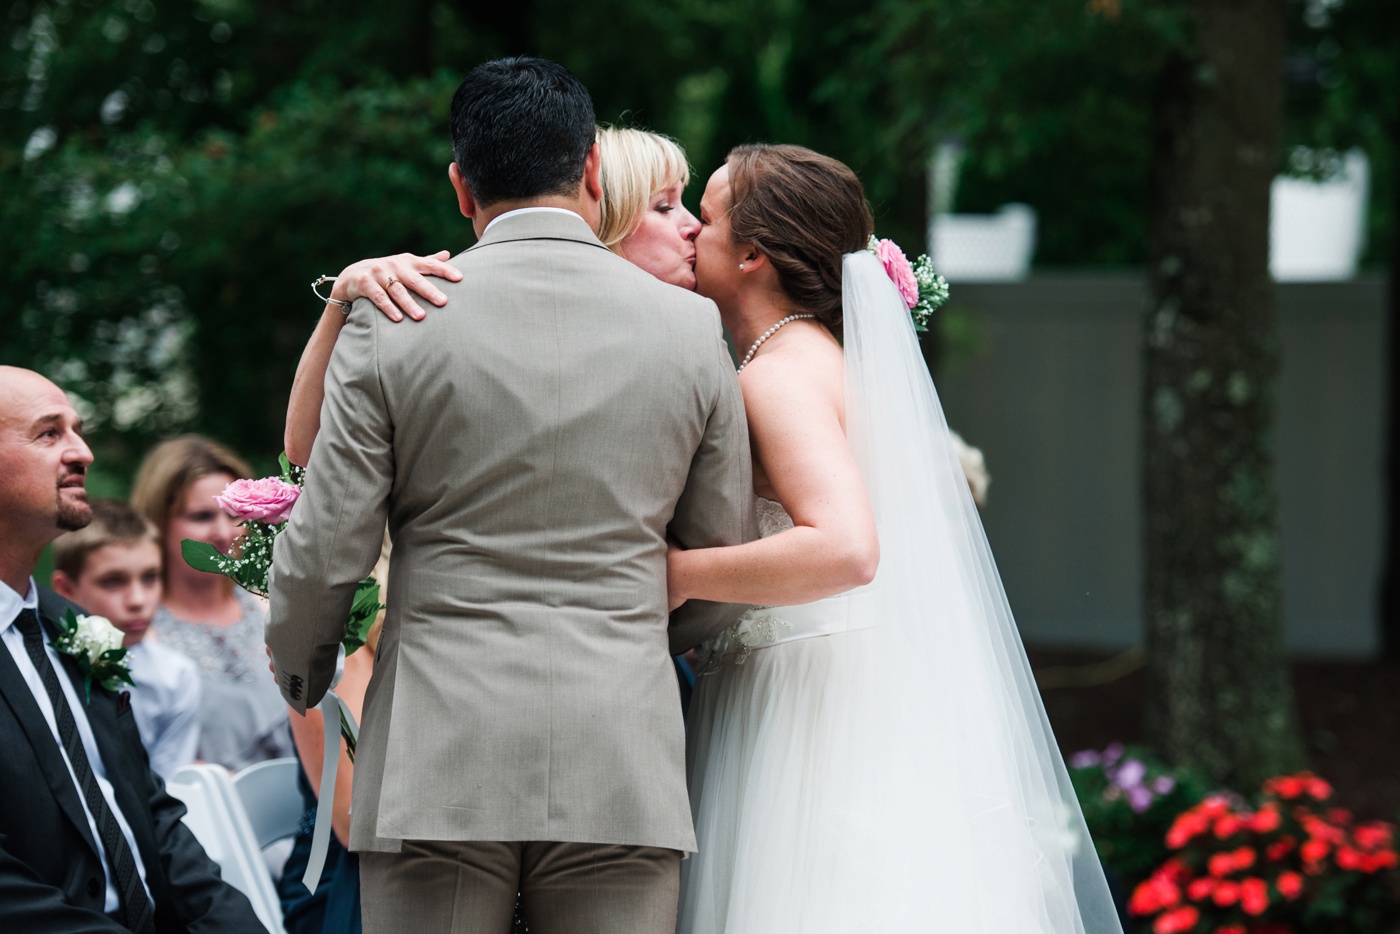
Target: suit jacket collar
129 775
14 691
540 225
52 607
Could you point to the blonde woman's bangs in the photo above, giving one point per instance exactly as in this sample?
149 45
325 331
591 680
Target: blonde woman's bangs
636 164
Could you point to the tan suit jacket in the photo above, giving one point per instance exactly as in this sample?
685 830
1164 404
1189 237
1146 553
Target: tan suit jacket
530 445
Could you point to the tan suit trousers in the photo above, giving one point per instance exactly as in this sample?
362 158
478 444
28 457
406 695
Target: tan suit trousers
470 887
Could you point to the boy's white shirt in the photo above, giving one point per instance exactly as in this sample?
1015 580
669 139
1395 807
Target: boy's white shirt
165 702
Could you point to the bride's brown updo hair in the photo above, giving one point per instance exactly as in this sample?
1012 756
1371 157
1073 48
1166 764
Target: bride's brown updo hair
803 211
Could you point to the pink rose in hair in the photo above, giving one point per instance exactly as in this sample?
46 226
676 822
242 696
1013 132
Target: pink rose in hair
898 269
267 500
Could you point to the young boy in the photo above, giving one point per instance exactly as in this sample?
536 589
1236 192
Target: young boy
112 568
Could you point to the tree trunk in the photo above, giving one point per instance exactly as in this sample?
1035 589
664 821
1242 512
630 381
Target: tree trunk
1219 694
1390 573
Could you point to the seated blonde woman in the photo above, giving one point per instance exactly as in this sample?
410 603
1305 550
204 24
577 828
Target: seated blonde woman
642 220
242 718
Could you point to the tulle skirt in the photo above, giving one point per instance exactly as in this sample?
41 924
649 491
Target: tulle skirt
824 802
790 798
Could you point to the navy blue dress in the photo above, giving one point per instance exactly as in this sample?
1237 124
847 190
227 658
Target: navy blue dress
335 906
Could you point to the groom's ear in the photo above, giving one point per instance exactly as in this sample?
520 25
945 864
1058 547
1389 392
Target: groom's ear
465 202
593 173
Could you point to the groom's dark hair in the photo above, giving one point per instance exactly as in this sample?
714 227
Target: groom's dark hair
521 128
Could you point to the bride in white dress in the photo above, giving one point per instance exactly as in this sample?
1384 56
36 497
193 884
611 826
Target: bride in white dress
867 748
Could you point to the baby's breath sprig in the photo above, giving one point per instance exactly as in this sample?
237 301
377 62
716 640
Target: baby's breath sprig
933 292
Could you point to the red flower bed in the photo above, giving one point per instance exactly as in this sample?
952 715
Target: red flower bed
1293 865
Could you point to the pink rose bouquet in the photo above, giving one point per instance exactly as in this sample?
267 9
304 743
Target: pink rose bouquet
263 506
269 500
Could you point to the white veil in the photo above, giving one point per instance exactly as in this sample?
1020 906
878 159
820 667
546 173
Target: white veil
967 718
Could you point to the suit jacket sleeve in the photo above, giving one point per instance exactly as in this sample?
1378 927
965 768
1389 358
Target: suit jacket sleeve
206 903
717 506
333 537
182 879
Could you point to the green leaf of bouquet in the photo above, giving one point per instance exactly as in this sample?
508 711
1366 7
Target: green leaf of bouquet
291 473
363 610
346 735
203 556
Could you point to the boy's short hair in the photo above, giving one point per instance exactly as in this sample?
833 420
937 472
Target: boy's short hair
114 522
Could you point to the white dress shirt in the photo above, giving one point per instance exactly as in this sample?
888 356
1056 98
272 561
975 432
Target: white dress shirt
165 702
528 211
11 604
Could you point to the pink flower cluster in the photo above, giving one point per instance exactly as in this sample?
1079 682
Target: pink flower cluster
898 269
267 500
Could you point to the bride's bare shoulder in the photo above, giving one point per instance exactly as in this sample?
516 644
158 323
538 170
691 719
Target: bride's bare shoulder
805 369
805 356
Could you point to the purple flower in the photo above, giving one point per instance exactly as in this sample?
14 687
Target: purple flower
1084 759
1164 785
1112 753
1130 774
1139 799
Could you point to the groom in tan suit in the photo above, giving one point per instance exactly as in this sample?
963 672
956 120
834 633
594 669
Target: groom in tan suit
531 446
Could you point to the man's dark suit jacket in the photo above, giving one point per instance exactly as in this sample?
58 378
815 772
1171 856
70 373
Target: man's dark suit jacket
51 877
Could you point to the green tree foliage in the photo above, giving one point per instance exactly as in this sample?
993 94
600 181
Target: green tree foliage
177 173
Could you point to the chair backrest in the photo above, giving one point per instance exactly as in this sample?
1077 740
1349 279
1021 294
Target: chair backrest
215 815
271 798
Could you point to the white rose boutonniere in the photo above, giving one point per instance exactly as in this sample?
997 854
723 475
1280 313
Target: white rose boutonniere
96 646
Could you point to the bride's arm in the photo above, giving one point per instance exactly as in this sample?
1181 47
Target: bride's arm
358 280
795 427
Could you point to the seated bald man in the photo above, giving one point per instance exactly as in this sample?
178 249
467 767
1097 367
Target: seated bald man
89 840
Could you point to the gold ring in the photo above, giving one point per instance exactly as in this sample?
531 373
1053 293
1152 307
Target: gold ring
392 280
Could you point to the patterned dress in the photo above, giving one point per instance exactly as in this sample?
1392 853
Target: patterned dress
243 719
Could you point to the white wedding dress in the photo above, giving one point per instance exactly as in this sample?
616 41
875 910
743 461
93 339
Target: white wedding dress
879 761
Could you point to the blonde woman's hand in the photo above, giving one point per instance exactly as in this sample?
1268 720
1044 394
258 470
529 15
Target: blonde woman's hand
392 281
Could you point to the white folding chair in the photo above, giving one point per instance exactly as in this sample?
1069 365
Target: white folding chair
269 794
271 799
216 817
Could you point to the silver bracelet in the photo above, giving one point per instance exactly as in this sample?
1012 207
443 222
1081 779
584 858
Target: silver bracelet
344 306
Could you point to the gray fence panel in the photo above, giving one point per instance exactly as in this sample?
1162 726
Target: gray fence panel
1052 398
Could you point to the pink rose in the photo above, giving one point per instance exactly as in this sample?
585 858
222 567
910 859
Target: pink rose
267 500
898 269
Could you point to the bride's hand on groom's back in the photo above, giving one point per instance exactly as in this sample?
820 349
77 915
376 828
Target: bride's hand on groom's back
390 282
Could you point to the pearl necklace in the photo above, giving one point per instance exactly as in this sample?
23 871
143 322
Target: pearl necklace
767 334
